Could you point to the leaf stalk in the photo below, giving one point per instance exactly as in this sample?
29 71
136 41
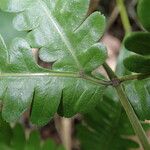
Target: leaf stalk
129 110
134 77
124 16
57 74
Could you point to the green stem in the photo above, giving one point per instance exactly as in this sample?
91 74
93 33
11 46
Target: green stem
124 16
133 118
129 110
109 71
134 77
56 74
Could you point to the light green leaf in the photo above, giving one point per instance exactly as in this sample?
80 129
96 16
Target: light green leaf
58 29
24 84
139 93
6 27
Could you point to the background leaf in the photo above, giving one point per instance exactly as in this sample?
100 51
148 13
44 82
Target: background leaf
137 63
138 91
143 9
5 132
106 127
138 43
18 141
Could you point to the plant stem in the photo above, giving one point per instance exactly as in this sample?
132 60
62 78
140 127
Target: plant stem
56 74
124 16
133 118
128 109
134 77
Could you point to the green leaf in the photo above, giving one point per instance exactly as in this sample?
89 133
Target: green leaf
18 140
5 132
139 93
33 141
138 63
143 13
15 139
23 84
106 127
60 31
6 27
49 145
4 147
138 43
120 68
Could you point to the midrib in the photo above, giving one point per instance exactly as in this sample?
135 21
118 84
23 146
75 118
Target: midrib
50 74
61 33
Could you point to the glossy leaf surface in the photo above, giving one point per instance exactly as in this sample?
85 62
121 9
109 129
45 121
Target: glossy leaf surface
63 36
23 84
59 30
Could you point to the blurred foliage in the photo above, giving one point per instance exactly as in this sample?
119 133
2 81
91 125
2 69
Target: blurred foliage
15 139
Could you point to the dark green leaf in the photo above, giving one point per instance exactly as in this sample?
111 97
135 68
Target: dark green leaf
138 42
48 145
18 140
5 132
14 139
138 63
143 13
6 27
33 142
106 127
139 95
138 91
